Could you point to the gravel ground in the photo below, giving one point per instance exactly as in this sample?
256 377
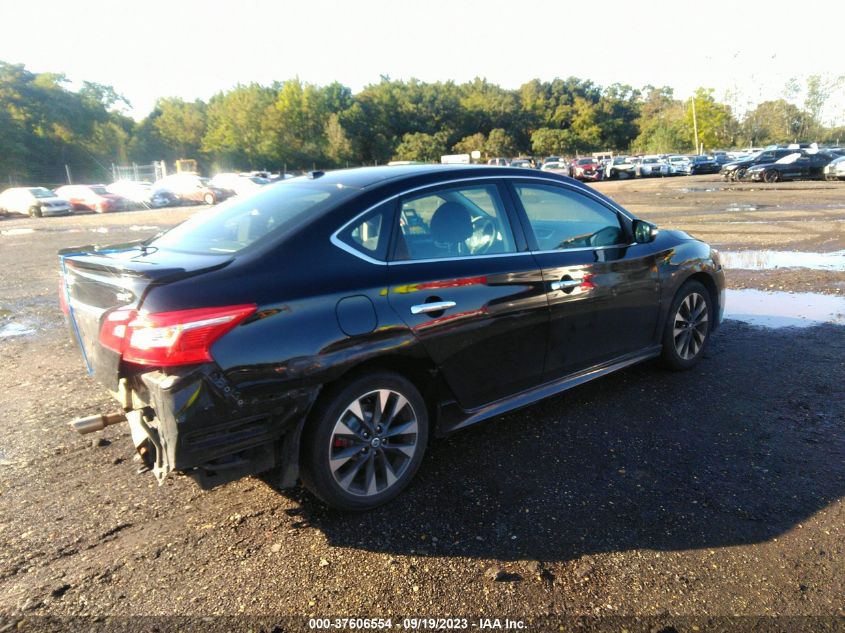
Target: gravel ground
647 500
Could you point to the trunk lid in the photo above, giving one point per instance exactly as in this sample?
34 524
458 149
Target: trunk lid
95 282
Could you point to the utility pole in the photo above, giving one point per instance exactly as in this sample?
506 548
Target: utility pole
67 171
694 122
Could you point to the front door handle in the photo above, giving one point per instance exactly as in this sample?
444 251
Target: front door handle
566 284
434 306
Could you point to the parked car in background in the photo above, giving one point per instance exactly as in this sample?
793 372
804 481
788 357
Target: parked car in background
703 165
240 184
33 201
91 198
801 165
620 167
525 163
137 191
736 170
586 169
678 165
311 331
557 167
650 166
835 169
499 162
191 188
721 158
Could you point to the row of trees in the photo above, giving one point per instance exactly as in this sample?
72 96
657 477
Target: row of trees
44 125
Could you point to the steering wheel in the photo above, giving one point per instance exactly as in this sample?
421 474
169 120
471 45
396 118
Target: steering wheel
484 231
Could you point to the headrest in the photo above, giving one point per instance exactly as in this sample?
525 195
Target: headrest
451 223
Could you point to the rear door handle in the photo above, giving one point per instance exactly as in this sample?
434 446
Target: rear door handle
434 306
565 284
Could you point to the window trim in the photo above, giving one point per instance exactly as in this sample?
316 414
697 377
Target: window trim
389 214
510 209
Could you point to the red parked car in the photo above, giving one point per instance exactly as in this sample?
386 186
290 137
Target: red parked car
586 169
91 198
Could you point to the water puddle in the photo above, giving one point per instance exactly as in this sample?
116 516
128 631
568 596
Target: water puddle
139 227
784 309
15 329
770 260
700 189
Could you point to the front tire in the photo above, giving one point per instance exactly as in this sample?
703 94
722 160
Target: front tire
365 441
772 176
208 199
688 327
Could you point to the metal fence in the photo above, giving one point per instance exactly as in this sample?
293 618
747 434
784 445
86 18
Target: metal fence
151 172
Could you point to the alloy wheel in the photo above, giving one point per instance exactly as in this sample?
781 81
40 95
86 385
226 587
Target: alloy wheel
373 442
691 324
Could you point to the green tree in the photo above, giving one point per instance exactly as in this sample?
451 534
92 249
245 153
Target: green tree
181 125
469 144
338 145
237 124
422 147
552 142
717 126
500 143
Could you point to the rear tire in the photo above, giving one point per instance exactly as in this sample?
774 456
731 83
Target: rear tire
688 326
772 176
364 441
35 212
208 199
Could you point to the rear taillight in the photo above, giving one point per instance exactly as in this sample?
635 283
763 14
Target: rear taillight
183 337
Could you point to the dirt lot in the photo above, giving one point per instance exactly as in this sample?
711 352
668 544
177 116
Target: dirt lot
718 492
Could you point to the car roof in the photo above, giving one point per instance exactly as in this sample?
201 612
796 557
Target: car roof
365 177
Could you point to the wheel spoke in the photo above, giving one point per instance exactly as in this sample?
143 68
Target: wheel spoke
347 479
405 448
339 459
399 403
370 474
406 428
389 473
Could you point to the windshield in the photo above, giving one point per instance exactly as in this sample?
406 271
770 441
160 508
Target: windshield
98 190
41 192
586 161
237 223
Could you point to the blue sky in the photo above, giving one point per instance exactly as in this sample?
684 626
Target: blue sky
194 49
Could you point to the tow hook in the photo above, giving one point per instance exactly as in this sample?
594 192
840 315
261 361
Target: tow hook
96 422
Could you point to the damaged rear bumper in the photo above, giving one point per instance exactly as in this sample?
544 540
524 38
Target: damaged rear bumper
196 422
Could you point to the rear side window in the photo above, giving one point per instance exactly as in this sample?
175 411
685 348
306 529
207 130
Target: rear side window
564 219
457 222
370 235
240 222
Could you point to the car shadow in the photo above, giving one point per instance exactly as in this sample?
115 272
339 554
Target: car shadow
736 451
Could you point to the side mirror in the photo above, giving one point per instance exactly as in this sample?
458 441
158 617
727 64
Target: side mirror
644 232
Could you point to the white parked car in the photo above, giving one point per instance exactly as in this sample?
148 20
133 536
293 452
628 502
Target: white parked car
835 170
241 184
138 191
679 165
33 201
652 166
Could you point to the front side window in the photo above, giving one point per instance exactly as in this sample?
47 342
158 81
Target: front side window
458 222
564 219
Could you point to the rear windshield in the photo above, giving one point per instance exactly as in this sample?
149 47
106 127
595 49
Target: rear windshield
240 222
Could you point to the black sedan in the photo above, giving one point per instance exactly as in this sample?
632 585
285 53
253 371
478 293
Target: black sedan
737 169
703 165
800 165
326 327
